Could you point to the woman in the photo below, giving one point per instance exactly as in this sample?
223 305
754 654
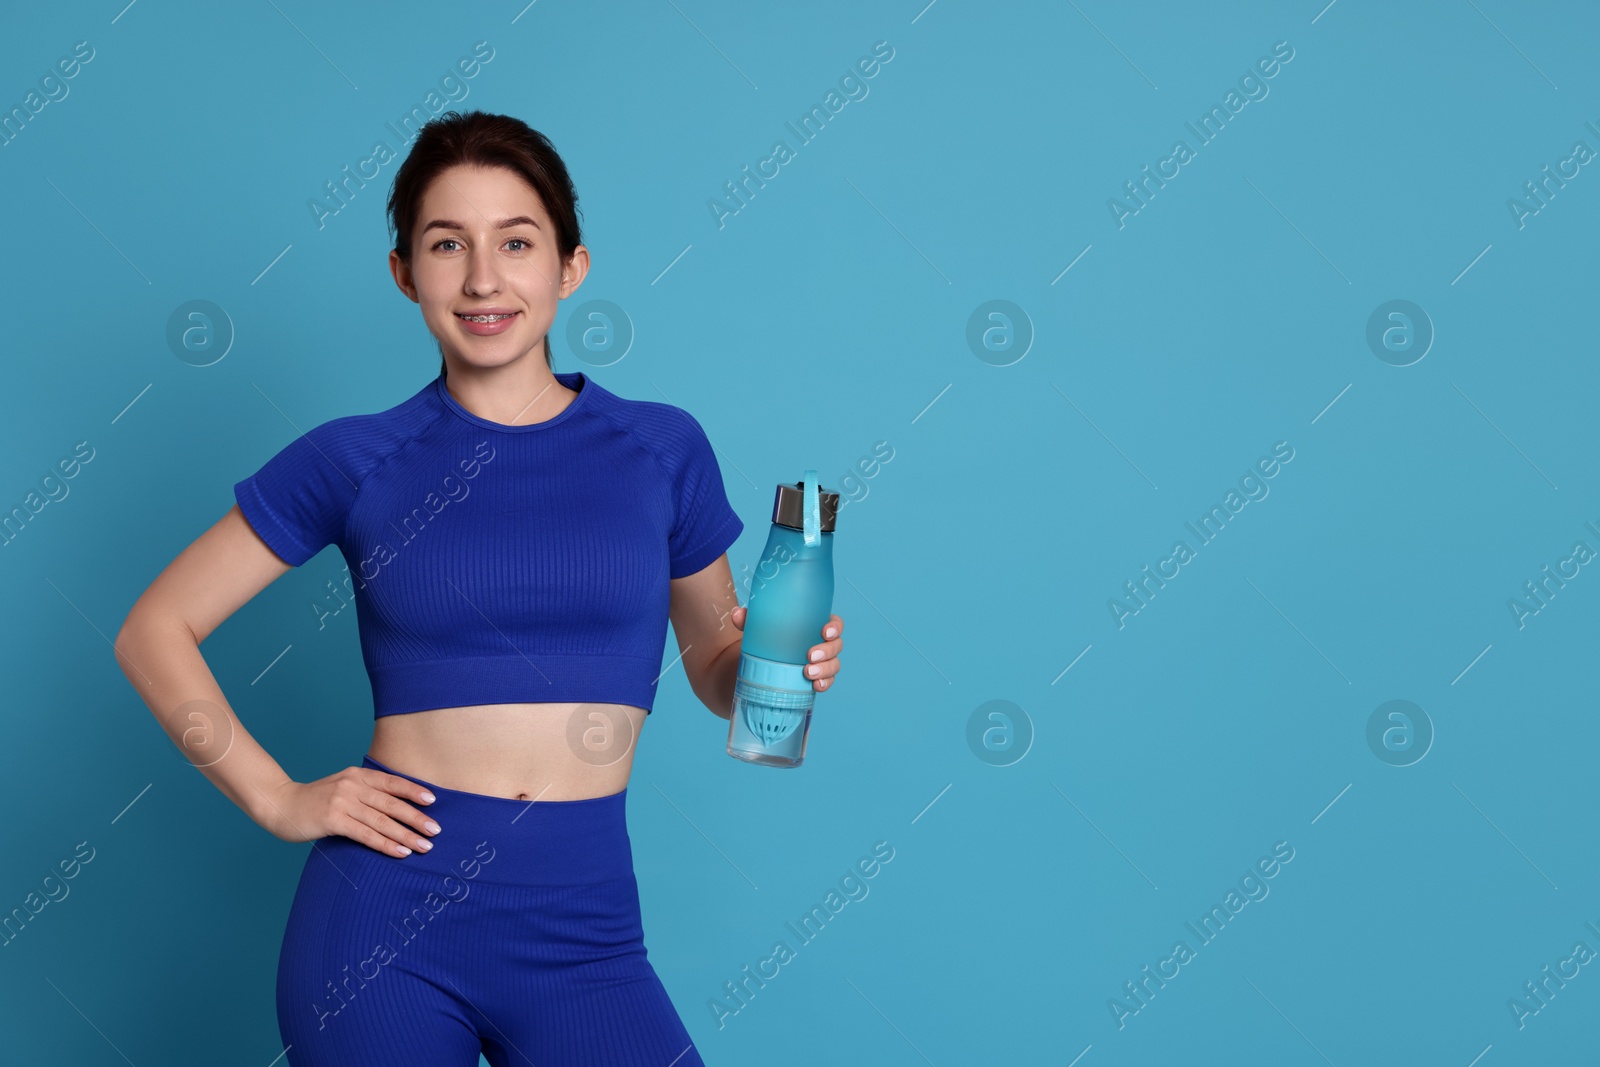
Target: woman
517 540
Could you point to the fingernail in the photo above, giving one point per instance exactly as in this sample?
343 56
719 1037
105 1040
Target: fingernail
829 632
425 844
432 826
427 798
812 670
404 851
816 654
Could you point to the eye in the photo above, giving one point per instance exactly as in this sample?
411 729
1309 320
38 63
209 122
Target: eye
526 244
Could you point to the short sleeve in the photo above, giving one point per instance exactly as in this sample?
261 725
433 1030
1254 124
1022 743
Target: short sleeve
705 524
298 500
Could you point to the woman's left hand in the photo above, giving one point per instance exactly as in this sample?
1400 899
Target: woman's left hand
824 658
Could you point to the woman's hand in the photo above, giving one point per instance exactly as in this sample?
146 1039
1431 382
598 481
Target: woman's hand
359 803
824 657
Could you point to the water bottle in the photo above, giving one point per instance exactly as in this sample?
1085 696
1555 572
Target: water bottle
791 597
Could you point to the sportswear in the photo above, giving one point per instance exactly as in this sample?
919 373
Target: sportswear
517 936
503 564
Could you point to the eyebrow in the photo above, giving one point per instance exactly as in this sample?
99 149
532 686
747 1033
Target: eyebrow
504 224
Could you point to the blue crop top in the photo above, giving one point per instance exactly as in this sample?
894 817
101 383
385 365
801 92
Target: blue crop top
497 564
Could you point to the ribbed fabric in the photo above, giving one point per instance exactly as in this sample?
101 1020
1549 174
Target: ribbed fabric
503 564
518 935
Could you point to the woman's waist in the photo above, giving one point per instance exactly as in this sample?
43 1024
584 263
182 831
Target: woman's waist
522 752
498 840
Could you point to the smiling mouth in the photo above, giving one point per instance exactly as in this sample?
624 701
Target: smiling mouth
484 318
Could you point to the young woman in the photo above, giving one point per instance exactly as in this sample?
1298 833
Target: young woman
517 540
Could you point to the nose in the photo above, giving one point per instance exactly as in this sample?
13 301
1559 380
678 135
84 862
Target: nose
483 272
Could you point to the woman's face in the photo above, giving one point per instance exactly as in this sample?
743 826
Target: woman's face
483 240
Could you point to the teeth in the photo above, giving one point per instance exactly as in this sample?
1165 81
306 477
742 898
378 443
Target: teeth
485 318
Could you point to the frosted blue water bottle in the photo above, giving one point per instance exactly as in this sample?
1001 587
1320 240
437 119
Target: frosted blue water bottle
791 597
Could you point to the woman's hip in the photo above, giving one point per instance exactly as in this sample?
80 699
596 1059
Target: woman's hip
554 875
527 843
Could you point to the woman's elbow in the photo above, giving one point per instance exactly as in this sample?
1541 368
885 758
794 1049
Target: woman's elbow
142 625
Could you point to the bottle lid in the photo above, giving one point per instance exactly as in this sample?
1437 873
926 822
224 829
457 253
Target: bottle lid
789 506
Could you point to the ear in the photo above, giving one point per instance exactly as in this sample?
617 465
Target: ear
573 271
402 276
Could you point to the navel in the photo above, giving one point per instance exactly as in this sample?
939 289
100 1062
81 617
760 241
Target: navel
522 796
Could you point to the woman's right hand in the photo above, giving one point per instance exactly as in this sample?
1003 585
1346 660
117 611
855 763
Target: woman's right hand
357 802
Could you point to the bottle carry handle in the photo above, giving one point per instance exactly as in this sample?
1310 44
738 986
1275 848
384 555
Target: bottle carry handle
812 527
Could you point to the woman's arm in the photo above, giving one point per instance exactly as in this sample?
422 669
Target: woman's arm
158 648
701 609
709 623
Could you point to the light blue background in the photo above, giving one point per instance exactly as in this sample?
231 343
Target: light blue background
831 313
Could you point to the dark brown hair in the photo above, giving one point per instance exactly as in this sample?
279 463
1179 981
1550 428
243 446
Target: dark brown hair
481 139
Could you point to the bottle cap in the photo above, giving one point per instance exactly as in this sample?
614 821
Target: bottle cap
789 506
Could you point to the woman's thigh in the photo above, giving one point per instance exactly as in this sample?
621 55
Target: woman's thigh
366 975
572 982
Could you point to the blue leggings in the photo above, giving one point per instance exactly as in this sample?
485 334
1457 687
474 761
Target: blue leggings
517 935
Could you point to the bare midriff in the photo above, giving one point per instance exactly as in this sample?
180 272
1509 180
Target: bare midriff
518 751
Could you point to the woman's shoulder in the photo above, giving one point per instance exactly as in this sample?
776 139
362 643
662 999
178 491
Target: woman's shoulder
653 419
364 439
